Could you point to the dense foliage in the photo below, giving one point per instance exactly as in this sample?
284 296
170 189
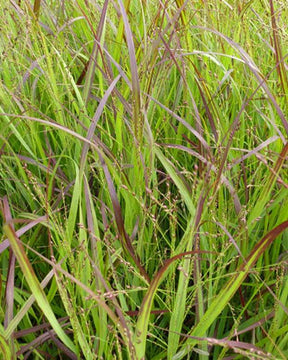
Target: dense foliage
144 182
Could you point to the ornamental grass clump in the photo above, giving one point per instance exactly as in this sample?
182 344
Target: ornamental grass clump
144 182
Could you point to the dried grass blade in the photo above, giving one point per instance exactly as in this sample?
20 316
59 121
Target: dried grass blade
36 8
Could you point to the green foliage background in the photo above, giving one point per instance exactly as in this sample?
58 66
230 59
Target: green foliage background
143 167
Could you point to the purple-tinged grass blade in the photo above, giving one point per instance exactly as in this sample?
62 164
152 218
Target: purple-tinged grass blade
90 222
124 237
90 72
5 244
9 290
65 350
140 337
231 239
229 290
34 64
41 339
253 326
254 151
94 122
137 118
34 329
225 181
282 72
59 173
250 63
34 285
199 127
26 306
239 347
119 321
236 346
267 188
183 122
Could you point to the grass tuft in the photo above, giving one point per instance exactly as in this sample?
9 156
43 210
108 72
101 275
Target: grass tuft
143 180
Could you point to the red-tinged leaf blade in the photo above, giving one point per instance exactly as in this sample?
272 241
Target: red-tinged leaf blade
124 237
34 285
5 244
140 337
138 125
225 295
91 65
9 291
95 120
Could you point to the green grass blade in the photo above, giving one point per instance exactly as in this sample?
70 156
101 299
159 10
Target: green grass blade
34 285
186 196
225 295
140 337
